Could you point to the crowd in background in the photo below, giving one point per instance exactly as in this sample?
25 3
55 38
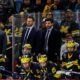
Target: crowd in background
9 7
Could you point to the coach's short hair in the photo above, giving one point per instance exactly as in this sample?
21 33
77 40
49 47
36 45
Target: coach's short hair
49 19
30 17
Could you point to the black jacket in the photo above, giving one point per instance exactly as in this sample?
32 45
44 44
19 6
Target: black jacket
3 42
54 43
33 39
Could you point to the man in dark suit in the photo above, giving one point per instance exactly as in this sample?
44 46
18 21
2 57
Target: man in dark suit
31 35
3 42
51 40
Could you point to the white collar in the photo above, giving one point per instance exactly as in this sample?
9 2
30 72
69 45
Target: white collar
50 28
30 27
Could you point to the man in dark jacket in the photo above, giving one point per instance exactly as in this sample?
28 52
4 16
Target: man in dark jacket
31 35
3 42
51 41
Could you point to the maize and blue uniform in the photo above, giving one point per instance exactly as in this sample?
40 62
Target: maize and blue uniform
48 72
74 57
3 72
32 73
69 60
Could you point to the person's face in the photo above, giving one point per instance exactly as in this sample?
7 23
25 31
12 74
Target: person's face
26 65
43 24
70 49
48 24
26 2
49 15
38 2
78 1
26 50
56 1
72 1
29 22
69 15
10 19
69 39
43 64
49 1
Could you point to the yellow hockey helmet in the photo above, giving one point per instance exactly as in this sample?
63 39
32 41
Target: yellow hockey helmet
70 44
2 58
27 46
42 58
26 58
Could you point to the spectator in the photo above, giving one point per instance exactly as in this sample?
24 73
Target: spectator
10 9
18 4
64 48
58 5
38 7
42 26
9 22
50 14
48 7
1 25
77 7
68 24
72 4
65 3
27 6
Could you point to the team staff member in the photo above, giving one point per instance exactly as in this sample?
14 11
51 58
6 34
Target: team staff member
31 35
51 40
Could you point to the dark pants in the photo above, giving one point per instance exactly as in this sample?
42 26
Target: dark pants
51 56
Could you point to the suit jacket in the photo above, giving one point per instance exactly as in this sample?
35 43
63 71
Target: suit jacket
33 39
54 42
3 42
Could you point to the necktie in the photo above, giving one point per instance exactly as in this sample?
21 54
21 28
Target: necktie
46 39
47 35
26 35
